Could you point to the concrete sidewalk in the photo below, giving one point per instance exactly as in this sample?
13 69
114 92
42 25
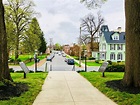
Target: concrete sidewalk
69 88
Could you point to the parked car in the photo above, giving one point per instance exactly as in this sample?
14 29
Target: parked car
49 58
59 53
66 59
70 61
64 55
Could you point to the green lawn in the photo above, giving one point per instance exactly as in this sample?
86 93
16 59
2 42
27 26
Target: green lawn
25 57
89 63
121 98
34 81
77 64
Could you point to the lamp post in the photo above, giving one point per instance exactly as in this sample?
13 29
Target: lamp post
80 48
85 54
35 60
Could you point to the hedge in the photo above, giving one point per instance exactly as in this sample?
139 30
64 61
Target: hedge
115 68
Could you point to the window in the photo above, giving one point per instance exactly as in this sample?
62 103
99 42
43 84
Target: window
115 37
119 56
104 47
120 47
103 56
112 56
112 46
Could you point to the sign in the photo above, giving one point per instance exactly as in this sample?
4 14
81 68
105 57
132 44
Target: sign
103 67
24 67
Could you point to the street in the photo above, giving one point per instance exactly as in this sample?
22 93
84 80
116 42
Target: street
58 64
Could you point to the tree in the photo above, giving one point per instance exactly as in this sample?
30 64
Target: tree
19 12
90 27
10 31
32 37
57 46
75 50
4 70
132 61
42 47
93 3
132 68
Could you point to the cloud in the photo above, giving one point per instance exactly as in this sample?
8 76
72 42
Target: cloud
60 19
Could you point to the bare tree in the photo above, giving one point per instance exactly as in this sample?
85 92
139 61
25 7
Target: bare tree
93 3
90 26
132 15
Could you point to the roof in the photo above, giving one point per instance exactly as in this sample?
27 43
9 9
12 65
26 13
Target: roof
108 37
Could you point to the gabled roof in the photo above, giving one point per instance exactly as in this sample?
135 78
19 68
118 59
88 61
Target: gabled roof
108 37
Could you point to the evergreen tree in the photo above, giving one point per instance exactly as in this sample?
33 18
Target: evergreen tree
43 44
32 39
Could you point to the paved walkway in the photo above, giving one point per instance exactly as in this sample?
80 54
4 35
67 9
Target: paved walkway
69 88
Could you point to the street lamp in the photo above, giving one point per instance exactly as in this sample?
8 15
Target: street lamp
85 55
80 48
35 60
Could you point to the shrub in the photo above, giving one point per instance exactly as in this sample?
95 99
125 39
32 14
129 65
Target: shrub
101 61
97 61
91 58
80 71
11 60
115 68
19 71
114 63
11 70
18 60
110 62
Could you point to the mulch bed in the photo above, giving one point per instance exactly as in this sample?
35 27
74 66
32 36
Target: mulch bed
117 85
7 92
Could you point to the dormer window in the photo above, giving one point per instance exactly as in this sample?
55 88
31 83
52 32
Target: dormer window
115 37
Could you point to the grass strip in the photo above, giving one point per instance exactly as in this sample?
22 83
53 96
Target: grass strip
34 81
120 97
93 63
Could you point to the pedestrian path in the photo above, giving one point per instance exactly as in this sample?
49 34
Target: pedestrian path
69 88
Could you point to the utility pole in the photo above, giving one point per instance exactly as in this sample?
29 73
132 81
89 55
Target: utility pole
80 48
51 44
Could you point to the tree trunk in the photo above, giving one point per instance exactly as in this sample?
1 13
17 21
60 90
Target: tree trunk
16 52
1 31
4 69
17 44
132 69
91 44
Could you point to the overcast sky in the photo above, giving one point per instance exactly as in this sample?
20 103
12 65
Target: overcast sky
60 19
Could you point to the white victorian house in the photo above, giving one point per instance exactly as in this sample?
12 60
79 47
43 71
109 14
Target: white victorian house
111 45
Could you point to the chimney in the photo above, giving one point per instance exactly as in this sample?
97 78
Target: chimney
119 29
